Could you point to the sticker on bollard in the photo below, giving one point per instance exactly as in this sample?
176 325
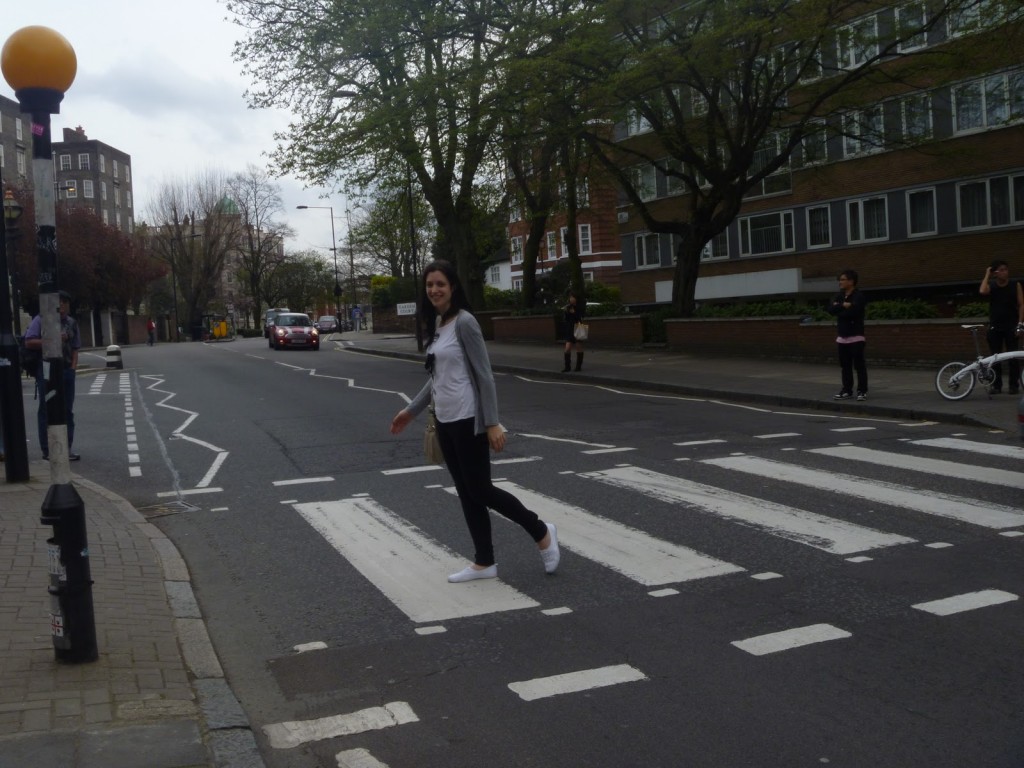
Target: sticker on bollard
114 357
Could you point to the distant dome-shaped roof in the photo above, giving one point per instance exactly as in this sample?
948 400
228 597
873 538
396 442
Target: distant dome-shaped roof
227 206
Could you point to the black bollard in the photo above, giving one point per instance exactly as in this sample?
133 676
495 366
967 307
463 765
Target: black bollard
72 622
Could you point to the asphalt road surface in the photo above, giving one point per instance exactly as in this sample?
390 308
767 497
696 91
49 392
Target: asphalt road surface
739 586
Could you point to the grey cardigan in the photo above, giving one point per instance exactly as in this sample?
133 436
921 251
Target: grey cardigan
471 339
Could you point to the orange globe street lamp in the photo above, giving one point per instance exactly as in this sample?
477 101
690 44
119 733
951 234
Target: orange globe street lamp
40 65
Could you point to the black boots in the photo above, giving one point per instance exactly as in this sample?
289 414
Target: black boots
579 360
568 362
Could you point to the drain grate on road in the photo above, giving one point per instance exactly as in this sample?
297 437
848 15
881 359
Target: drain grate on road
167 508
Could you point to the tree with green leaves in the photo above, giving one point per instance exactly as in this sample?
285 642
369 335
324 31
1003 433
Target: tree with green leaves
383 84
714 99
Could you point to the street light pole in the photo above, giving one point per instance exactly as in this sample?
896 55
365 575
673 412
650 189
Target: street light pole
40 65
334 250
352 264
12 413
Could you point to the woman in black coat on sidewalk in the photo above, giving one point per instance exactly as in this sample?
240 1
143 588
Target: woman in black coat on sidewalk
848 308
574 312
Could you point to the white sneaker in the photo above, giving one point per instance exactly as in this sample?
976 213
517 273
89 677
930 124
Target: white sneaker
469 573
551 555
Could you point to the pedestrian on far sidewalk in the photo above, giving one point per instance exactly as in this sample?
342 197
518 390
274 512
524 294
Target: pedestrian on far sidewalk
573 316
461 388
150 333
848 308
71 342
1005 314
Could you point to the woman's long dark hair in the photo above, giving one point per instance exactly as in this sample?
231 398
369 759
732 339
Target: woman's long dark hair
428 315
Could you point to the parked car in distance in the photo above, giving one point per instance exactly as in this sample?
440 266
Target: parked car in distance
327 323
268 319
293 330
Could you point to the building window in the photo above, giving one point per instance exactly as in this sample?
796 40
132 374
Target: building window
128 198
19 156
643 180
131 225
857 43
767 233
495 275
3 162
515 213
868 219
586 245
647 250
113 165
862 131
106 217
916 112
128 174
517 284
921 212
552 244
117 197
65 162
103 164
717 247
910 26
117 223
636 123
989 103
19 130
83 161
780 179
70 187
991 202
103 190
967 18
517 250
815 144
819 226
87 188
563 235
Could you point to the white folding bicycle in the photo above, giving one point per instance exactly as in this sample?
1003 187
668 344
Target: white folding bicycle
955 381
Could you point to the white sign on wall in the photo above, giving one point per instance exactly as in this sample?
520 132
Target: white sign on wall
407 308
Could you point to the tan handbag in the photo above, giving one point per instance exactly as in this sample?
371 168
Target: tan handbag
431 443
581 331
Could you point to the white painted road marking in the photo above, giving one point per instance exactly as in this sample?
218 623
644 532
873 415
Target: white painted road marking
633 553
966 602
955 469
574 682
927 502
835 536
296 732
405 564
303 481
358 758
1010 451
790 638
776 436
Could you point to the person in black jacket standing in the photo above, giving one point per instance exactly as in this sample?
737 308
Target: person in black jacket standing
848 307
1005 313
574 312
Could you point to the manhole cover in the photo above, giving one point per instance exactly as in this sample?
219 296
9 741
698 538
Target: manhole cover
167 508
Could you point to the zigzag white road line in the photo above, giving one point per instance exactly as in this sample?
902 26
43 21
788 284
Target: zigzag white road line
835 536
930 503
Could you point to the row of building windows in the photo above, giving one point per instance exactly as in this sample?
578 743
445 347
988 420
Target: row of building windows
552 240
997 201
20 160
19 128
88 187
84 160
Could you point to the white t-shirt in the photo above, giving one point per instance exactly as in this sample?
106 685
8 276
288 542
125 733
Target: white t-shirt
454 398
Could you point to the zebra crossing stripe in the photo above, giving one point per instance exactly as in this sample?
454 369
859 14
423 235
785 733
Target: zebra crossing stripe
296 732
632 553
790 638
966 602
574 682
956 444
834 536
405 564
931 503
985 475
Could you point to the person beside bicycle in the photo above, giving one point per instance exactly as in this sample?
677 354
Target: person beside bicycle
848 308
1005 316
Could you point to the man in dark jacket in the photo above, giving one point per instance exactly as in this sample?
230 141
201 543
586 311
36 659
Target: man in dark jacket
848 308
1005 313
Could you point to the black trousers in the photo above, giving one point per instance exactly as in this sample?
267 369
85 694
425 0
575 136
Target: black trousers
1004 340
468 458
851 357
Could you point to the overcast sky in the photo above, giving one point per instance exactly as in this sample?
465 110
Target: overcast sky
156 80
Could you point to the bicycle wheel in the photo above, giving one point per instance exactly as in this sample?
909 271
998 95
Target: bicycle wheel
952 386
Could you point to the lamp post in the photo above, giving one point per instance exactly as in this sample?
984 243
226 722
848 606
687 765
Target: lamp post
12 212
12 413
334 250
40 65
352 266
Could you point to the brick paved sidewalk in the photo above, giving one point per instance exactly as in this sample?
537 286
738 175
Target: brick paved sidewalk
156 696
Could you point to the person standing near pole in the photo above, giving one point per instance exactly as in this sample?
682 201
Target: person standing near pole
574 312
1005 313
150 333
71 343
